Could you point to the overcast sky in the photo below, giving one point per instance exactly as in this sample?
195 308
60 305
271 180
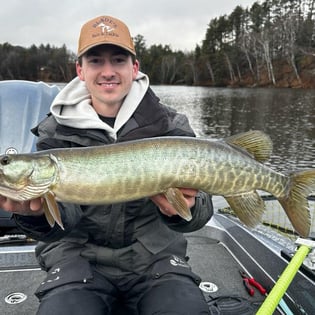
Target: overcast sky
178 23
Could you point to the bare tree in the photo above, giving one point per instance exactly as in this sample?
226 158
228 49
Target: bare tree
230 67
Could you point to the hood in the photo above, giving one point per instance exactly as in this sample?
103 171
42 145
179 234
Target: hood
72 106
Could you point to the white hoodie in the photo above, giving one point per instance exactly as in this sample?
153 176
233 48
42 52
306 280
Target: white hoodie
72 106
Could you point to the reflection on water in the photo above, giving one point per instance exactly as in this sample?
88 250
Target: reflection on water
287 115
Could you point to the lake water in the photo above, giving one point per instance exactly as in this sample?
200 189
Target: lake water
287 115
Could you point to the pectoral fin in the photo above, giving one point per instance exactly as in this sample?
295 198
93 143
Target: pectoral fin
48 215
249 207
176 198
51 210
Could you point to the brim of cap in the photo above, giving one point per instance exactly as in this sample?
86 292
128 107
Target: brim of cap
106 43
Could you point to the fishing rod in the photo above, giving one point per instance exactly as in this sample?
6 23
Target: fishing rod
275 296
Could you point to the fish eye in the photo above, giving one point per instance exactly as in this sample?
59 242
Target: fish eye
5 160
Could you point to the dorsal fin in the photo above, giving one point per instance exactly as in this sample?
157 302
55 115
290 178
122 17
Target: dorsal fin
255 142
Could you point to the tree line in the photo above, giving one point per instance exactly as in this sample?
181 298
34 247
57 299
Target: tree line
269 43
46 63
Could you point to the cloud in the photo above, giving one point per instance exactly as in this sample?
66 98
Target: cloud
180 24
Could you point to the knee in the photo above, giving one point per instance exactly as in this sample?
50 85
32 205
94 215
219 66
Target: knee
73 301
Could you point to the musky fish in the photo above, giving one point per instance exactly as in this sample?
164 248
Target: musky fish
232 167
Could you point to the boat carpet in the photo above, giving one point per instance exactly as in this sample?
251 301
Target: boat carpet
214 263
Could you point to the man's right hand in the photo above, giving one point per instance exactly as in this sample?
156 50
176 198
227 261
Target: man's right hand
29 207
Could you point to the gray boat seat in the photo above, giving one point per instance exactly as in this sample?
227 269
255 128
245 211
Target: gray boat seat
22 105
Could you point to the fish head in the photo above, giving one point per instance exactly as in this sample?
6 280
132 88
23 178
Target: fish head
25 176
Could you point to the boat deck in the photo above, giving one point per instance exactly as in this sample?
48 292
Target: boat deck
216 265
217 253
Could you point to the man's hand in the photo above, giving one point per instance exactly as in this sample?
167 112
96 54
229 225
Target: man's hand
30 207
167 209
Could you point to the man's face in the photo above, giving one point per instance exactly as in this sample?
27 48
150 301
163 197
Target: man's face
108 72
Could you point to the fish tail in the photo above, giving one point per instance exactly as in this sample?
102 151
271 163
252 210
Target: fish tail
295 203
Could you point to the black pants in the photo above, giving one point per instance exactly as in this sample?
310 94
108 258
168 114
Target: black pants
166 289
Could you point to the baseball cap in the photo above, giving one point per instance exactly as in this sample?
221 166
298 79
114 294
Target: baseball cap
105 30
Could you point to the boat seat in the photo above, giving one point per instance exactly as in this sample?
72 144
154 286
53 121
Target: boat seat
22 105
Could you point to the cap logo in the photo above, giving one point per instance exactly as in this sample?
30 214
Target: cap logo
107 27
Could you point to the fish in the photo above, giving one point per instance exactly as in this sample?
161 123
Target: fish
231 167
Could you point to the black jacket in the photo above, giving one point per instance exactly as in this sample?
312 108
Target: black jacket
129 230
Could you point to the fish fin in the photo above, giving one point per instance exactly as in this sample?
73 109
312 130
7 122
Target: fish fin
255 142
52 208
49 217
295 204
176 198
249 207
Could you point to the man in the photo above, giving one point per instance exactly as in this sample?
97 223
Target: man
131 253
